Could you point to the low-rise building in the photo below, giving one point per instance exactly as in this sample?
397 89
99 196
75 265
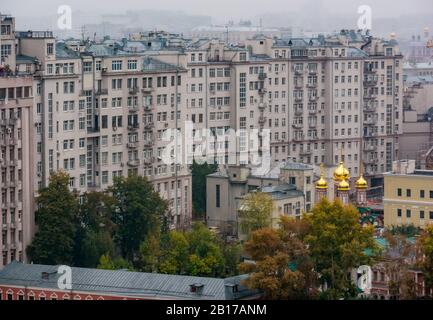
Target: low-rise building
290 186
40 282
408 196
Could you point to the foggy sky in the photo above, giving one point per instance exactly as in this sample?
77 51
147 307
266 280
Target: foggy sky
220 10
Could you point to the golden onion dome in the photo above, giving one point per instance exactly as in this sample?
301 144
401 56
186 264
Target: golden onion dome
361 183
341 173
321 183
343 186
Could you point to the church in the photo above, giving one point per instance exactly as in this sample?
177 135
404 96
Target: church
339 187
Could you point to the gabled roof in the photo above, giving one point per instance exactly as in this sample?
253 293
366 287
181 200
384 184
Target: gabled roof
126 283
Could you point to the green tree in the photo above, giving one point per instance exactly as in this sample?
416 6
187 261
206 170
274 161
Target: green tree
282 268
107 263
138 212
95 229
338 243
56 220
255 212
199 173
174 256
205 255
425 244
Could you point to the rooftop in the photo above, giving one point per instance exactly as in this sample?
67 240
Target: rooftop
126 283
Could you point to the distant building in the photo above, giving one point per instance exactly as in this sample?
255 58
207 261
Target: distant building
408 195
40 282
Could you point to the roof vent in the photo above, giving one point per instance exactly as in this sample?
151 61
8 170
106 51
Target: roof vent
196 288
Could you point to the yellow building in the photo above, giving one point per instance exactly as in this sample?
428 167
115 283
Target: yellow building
408 196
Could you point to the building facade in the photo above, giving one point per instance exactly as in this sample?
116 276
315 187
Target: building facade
16 150
408 198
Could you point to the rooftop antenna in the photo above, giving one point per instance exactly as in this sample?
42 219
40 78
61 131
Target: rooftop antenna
261 26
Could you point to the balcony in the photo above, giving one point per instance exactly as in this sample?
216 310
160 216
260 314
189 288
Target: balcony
370 121
299 112
101 92
370 96
369 71
262 76
148 161
299 85
133 109
297 125
313 98
148 143
299 99
133 127
262 91
132 145
262 120
312 124
147 90
133 91
305 152
311 85
370 82
262 106
370 108
372 134
149 125
148 108
133 163
370 147
312 111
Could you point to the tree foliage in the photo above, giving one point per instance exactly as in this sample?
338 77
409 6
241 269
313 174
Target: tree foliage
282 268
56 218
338 243
425 244
256 212
94 236
138 211
199 173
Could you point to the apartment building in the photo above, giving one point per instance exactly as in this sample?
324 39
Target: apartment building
110 108
408 198
16 143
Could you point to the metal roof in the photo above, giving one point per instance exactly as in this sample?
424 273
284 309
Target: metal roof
126 283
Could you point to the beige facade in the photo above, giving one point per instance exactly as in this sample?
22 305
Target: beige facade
291 189
16 153
408 197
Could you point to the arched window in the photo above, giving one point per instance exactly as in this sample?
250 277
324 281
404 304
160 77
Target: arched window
42 296
101 298
66 297
89 298
53 296
77 297
10 294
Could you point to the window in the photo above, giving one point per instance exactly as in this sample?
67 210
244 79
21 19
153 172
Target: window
431 215
421 214
421 193
87 66
399 213
116 65
431 194
50 48
218 195
408 213
399 192
6 50
408 192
